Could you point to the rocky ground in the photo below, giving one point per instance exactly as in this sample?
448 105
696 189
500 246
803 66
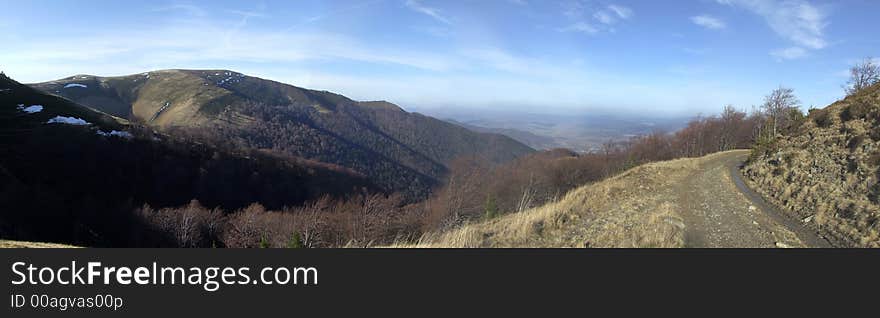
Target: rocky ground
826 174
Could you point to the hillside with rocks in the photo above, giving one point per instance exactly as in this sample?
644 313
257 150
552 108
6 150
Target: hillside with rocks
827 172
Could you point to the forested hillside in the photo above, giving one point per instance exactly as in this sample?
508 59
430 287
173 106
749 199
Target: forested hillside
400 151
71 174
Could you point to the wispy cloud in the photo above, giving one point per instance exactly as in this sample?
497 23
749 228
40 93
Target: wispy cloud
573 9
798 21
188 8
211 41
612 13
604 17
621 11
581 27
327 14
789 53
207 42
247 14
600 20
417 6
709 22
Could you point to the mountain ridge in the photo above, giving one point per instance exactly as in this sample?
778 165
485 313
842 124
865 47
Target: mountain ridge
402 151
69 173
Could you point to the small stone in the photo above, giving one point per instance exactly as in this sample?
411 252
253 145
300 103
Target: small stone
782 245
753 208
808 219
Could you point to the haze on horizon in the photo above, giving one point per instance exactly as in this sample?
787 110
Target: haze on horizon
651 57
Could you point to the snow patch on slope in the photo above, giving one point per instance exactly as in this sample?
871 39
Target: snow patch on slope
30 109
116 133
68 120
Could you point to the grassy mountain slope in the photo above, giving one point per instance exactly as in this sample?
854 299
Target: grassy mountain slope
77 183
636 208
828 173
401 151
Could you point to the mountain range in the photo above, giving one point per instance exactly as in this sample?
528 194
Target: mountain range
71 173
399 151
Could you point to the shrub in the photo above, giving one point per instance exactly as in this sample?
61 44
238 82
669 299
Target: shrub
762 148
874 193
848 212
778 171
860 109
795 119
855 142
875 133
821 118
874 159
852 166
295 241
491 207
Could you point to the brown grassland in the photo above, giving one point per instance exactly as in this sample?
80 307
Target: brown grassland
634 209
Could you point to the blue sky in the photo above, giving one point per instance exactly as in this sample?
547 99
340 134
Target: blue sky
658 57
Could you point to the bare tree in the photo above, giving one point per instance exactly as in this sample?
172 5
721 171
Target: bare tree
314 222
862 75
777 105
528 194
730 122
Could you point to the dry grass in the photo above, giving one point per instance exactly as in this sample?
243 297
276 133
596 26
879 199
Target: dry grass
828 175
634 209
22 244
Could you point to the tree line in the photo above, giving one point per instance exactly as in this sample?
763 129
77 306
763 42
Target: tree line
475 189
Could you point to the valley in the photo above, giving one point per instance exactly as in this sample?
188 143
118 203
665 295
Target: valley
398 150
581 132
199 161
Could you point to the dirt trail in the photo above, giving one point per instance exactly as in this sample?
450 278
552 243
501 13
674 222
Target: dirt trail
689 202
720 211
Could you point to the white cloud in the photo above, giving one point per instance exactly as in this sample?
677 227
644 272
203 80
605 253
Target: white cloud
708 22
120 52
798 21
581 27
417 6
202 43
789 53
602 19
612 13
621 11
188 8
573 9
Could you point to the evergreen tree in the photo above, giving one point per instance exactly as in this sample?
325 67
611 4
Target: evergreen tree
295 241
491 207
